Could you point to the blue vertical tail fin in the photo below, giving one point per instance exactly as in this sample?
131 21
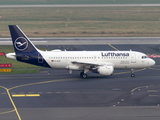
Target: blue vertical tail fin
20 41
25 51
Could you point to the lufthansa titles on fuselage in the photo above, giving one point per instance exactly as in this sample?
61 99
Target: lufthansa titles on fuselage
112 54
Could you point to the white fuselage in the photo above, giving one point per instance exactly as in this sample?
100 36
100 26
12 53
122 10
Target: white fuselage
117 59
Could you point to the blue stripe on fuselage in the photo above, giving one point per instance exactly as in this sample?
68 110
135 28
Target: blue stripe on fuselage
34 58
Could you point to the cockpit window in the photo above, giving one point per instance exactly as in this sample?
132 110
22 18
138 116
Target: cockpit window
144 57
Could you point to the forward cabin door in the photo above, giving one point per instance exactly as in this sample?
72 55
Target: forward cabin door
133 58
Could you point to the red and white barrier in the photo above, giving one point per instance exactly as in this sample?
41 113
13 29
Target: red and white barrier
2 53
5 65
154 56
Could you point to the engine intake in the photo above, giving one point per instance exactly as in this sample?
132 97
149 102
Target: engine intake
105 70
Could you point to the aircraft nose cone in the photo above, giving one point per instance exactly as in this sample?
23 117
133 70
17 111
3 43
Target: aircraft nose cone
152 62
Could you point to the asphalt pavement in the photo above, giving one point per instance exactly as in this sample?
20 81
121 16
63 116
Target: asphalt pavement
56 94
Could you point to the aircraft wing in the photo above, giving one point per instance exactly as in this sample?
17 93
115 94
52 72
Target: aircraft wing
88 64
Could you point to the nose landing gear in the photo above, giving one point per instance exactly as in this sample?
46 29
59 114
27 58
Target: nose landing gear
132 73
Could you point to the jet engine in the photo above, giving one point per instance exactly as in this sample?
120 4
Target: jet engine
105 70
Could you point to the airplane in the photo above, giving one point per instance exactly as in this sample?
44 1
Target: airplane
101 62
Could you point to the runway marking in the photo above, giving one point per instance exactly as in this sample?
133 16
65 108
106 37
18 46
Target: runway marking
137 88
58 92
156 65
32 95
15 108
37 95
152 91
154 95
129 71
49 92
153 68
121 72
25 95
66 92
113 47
44 82
31 92
7 112
140 69
145 87
20 95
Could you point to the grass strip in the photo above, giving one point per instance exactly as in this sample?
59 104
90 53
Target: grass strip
97 21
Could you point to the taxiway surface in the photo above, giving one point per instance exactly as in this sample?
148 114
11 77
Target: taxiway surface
80 5
55 94
88 40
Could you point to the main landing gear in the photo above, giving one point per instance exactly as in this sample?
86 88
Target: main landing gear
132 73
83 75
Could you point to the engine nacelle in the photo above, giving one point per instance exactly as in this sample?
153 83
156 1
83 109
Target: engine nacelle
105 70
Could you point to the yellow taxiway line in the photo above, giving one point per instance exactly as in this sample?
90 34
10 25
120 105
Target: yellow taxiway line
113 47
7 112
25 95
